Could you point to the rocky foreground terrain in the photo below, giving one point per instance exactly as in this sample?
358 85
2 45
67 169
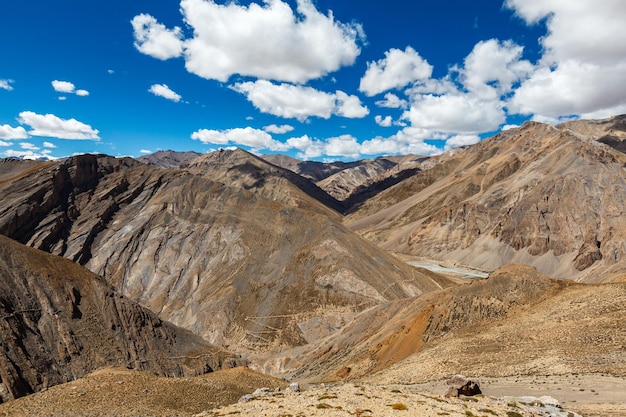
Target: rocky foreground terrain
182 264
239 391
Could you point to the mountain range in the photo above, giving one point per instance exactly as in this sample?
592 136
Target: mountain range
304 269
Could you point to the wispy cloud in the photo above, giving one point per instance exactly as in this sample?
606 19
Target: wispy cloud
279 130
6 84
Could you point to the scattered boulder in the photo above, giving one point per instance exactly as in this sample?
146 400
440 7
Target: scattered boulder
459 385
259 393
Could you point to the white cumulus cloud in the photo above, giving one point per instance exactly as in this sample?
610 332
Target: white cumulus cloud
493 67
460 140
462 113
9 132
63 86
49 125
396 70
406 141
29 146
584 58
300 102
154 39
269 41
248 136
287 100
309 148
349 106
162 90
344 145
67 87
49 145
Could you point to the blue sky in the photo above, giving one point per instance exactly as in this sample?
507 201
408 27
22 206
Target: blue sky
321 80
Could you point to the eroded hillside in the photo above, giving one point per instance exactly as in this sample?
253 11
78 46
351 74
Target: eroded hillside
59 322
516 322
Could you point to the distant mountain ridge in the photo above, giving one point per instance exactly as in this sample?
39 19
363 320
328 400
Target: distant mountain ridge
168 159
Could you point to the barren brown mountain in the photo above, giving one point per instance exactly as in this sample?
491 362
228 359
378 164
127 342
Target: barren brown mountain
291 268
230 248
541 195
59 322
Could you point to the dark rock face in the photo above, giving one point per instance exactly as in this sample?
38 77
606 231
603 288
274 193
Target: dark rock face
459 385
59 322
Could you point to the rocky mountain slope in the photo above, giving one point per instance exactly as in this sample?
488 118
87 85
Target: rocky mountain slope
611 131
229 248
542 195
516 322
59 322
241 169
